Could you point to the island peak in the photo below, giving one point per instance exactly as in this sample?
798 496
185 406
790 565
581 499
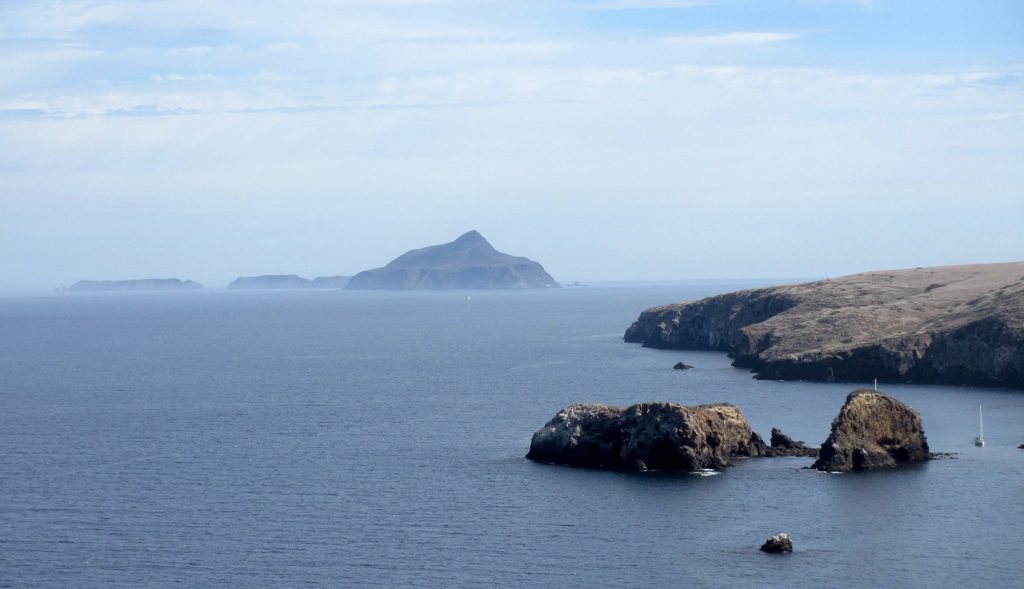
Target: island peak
468 262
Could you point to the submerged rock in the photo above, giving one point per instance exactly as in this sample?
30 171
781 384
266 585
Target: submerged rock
778 543
681 366
646 436
872 431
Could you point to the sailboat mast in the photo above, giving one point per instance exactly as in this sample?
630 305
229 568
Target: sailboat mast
981 425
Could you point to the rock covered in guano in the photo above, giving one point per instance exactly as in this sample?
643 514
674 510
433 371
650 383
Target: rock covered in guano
646 436
778 543
872 431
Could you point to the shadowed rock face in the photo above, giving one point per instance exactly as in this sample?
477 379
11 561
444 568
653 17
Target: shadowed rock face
872 431
950 324
469 262
646 436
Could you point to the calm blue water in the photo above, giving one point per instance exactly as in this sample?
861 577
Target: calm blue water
377 439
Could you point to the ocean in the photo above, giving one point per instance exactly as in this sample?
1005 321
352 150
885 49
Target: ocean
377 439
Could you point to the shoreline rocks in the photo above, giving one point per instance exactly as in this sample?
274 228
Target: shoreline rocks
873 431
949 324
646 436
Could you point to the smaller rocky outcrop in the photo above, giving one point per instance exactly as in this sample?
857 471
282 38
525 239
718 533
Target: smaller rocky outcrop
778 544
783 445
682 366
646 436
873 431
1021 446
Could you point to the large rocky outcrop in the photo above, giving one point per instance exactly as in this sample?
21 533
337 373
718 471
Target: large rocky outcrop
872 431
469 262
646 436
143 284
950 324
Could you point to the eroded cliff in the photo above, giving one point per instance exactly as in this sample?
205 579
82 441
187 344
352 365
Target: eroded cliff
949 324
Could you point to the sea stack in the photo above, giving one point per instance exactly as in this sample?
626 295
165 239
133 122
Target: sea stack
872 431
948 324
469 262
646 436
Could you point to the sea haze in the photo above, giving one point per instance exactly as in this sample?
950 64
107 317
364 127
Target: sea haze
368 439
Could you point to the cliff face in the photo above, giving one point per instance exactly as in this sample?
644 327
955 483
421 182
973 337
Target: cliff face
646 436
872 431
951 324
469 262
135 285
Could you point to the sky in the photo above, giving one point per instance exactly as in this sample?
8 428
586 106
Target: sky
607 139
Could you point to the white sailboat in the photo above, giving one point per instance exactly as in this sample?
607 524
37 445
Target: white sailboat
980 440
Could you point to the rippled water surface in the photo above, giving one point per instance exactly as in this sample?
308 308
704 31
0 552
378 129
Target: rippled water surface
377 439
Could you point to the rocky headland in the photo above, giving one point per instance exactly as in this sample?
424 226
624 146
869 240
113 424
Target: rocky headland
873 431
469 262
948 324
143 284
646 436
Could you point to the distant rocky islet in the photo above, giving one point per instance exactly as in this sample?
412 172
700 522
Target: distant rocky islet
143 284
469 262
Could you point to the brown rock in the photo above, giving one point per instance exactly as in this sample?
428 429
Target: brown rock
872 431
646 436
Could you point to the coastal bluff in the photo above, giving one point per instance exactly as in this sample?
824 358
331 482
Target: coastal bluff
946 324
469 262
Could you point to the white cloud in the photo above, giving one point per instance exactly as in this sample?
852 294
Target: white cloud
734 38
644 4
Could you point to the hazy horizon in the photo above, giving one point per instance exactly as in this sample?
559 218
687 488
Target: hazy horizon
624 140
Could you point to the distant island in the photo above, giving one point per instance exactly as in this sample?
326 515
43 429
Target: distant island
134 285
948 324
469 262
331 281
286 281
